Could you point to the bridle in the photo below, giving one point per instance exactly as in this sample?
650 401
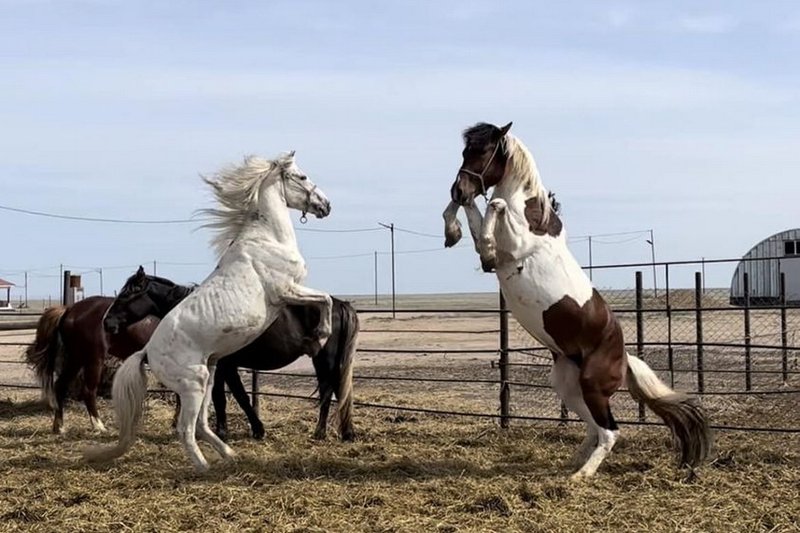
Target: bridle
309 192
474 174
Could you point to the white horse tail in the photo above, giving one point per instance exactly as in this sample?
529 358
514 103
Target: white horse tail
348 341
128 392
681 413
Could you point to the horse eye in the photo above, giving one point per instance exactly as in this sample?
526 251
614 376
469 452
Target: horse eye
302 177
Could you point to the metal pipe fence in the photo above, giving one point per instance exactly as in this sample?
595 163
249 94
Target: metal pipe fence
688 335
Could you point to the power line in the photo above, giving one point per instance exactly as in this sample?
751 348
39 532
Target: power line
94 219
421 234
164 221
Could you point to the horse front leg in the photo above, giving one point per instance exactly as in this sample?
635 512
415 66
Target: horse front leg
487 247
452 226
300 295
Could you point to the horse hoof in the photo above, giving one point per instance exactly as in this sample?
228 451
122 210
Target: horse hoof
258 433
488 265
348 437
319 435
452 236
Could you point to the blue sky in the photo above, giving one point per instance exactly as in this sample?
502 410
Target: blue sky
676 116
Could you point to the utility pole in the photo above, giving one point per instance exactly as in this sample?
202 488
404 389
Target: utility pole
26 289
376 278
100 271
390 227
652 243
155 272
590 258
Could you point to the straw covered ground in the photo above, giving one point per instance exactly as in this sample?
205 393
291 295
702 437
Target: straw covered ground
406 472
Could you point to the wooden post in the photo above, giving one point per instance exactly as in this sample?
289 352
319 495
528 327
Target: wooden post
505 392
748 378
698 313
784 332
639 331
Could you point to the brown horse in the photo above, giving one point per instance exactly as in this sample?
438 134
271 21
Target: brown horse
72 339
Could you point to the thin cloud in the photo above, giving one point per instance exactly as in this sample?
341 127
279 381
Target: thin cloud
711 24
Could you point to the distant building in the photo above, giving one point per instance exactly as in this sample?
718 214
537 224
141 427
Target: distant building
780 253
5 294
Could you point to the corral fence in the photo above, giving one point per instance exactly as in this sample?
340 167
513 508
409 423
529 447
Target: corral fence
740 356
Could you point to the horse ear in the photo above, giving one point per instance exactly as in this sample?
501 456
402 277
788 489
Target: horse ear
140 272
505 129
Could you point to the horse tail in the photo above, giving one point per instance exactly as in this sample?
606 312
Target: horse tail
348 340
681 413
128 392
44 354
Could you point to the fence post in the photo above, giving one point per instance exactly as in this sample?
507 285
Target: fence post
505 392
784 333
254 389
639 331
698 313
748 378
670 353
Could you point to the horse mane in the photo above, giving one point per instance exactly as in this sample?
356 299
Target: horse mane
521 168
235 188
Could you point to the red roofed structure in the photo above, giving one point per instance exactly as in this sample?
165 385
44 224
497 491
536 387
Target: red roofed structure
5 303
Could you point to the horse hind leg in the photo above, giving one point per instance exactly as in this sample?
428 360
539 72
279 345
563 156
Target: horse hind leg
192 392
203 430
66 377
91 381
601 433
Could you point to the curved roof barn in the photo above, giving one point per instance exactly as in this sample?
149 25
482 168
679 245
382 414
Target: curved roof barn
764 263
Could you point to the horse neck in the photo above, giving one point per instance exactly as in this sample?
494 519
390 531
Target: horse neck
273 223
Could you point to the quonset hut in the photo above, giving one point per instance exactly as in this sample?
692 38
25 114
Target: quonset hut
781 254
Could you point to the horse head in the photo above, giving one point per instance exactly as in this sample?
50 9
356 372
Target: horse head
485 155
140 297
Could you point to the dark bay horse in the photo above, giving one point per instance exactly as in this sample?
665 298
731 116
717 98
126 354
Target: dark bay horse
288 338
72 339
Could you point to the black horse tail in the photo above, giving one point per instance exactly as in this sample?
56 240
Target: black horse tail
47 350
348 341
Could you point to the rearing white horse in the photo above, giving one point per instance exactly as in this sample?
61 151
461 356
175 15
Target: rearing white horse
523 240
260 269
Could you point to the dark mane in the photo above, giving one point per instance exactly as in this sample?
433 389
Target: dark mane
161 280
481 133
555 205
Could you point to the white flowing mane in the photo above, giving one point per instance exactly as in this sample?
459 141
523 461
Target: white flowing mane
521 172
236 190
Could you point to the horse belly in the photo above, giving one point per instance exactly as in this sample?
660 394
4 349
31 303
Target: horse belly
537 284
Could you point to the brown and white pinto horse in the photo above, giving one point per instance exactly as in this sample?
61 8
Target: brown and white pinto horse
523 240
72 339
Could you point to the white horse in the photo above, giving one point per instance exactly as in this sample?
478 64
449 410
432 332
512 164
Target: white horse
523 240
260 270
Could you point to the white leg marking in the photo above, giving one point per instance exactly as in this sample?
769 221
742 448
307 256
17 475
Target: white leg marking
97 424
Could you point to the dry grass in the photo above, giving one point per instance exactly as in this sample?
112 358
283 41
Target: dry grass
407 472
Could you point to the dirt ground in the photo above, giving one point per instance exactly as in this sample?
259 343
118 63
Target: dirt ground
406 471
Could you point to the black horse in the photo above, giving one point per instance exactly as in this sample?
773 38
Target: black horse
281 344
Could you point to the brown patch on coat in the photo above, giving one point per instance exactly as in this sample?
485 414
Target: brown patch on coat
534 214
591 337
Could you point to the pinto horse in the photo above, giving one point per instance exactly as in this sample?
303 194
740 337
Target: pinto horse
282 344
70 340
260 270
523 240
